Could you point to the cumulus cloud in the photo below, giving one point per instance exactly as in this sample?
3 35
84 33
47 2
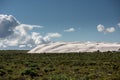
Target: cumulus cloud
7 25
110 30
119 25
69 30
54 35
24 28
51 35
21 46
38 39
13 33
101 28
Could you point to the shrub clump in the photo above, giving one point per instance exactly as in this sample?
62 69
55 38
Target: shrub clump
31 72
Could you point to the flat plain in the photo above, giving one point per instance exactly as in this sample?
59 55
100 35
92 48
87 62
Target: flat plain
20 65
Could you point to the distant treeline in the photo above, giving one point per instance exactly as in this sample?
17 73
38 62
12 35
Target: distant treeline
25 51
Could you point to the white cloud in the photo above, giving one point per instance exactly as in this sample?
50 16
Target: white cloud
24 28
69 30
38 39
21 46
7 24
2 45
54 35
119 25
15 34
29 45
110 30
101 28
51 35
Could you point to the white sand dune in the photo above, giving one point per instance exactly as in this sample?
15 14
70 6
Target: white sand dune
66 47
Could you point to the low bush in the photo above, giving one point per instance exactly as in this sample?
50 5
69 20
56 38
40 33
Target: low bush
19 65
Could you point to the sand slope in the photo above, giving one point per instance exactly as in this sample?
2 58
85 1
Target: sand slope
66 47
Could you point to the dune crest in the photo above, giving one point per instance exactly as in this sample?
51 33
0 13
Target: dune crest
66 47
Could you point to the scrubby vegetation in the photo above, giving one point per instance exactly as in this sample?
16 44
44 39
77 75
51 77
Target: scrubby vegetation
19 65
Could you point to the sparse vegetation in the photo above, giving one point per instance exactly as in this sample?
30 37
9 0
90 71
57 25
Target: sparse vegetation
19 65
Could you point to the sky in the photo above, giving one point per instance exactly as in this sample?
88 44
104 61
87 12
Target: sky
28 23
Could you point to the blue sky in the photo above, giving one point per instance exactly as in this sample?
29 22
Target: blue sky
56 16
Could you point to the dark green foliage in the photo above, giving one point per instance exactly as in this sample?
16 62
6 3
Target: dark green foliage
59 77
2 72
19 65
31 72
49 69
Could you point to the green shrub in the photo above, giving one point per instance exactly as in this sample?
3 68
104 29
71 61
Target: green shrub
59 77
49 69
18 65
115 67
30 72
2 72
